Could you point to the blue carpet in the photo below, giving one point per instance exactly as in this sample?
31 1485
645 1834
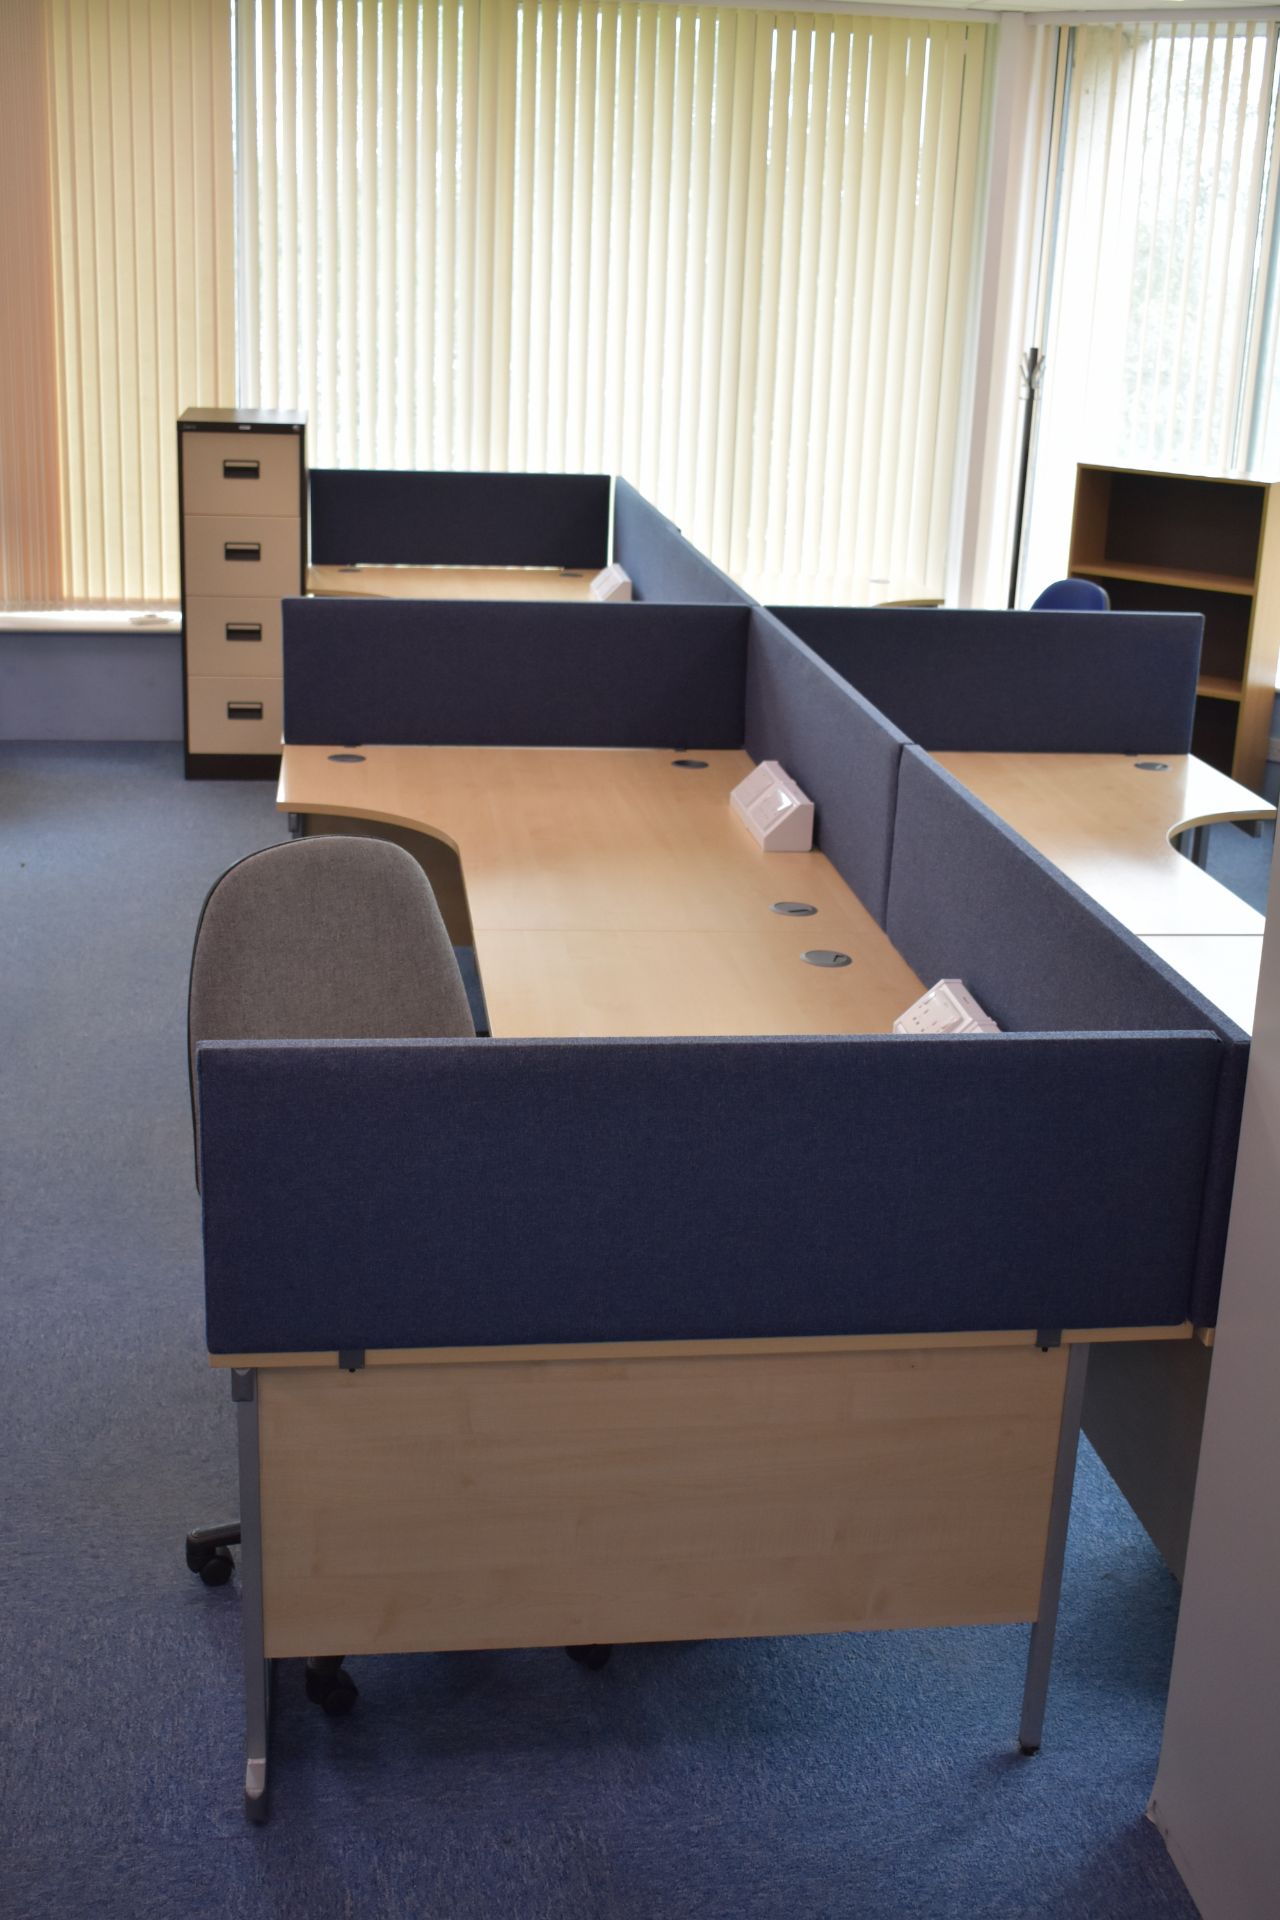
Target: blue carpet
868 1777
1242 860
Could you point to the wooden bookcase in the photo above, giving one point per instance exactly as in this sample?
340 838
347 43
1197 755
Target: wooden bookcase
1188 543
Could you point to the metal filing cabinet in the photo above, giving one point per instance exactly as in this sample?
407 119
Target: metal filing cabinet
242 479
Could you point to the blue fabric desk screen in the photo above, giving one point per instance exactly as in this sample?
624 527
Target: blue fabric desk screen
374 517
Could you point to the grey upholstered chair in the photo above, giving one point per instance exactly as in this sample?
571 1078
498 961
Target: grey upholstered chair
330 938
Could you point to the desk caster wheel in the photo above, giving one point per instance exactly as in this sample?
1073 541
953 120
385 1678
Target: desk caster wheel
329 1687
591 1657
213 1564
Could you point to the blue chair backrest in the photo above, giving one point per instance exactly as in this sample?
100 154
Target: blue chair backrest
1073 596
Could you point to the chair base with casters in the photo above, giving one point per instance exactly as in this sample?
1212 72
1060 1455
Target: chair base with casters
209 1552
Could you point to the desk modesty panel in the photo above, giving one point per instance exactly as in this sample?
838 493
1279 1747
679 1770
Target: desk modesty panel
694 1189
404 518
647 675
661 563
1036 682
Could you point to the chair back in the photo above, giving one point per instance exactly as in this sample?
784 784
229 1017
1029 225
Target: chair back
332 938
1073 596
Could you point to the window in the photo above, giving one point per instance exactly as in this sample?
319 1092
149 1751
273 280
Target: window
1160 266
727 252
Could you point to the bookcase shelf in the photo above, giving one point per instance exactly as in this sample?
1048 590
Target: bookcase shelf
1192 543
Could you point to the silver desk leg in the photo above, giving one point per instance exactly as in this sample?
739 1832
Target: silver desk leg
1040 1654
1195 844
257 1676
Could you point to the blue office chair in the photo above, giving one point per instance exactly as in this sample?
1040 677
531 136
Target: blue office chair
1073 596
329 938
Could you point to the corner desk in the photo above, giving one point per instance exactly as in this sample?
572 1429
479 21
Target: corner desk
451 583
612 891
1109 822
435 1498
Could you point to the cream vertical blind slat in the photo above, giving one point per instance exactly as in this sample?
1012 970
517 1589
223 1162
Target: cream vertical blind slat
754 285
824 161
140 101
831 444
30 491
704 245
561 56
679 317
250 191
707 248
939 423
593 360
720 422
582 239
310 134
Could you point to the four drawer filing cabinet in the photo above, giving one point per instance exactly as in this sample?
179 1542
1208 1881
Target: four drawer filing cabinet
243 478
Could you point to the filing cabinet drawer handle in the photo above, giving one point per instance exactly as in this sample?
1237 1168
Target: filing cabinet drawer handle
242 549
244 629
241 469
244 709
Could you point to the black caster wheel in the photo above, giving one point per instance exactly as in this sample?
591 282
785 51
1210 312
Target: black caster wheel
591 1657
336 1692
213 1564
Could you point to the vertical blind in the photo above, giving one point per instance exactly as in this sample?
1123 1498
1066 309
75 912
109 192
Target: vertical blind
1167 194
30 494
143 237
725 252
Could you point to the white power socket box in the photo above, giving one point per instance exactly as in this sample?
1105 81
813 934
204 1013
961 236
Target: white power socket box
774 810
948 1007
614 583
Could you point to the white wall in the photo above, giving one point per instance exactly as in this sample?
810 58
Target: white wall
1217 1794
90 686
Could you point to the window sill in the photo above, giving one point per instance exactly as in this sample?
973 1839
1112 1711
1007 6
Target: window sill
90 620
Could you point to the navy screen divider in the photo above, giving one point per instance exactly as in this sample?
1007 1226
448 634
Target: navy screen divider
459 1193
983 682
661 563
969 899
393 519
519 674
843 753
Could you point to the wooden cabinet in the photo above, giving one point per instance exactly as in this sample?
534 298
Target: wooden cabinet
242 478
1188 543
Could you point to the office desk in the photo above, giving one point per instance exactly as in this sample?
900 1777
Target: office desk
1108 825
612 892
771 1471
451 583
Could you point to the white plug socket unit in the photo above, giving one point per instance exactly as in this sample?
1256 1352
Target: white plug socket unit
614 583
948 1007
774 810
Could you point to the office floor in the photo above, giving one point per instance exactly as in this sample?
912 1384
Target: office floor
821 1779
1242 861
